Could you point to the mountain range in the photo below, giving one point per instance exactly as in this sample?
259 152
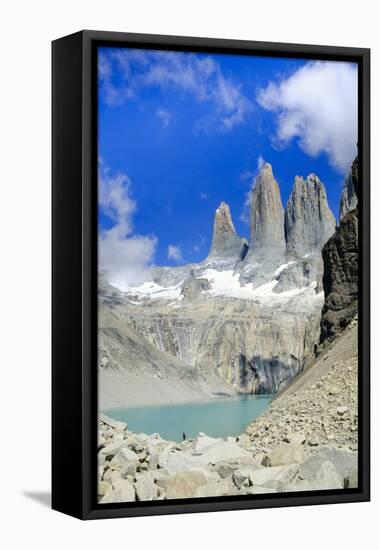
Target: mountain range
244 320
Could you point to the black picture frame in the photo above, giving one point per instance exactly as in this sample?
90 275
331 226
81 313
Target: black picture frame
74 273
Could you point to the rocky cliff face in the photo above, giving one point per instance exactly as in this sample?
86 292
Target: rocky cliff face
349 199
267 217
237 321
249 346
308 220
340 280
227 247
340 257
292 238
354 174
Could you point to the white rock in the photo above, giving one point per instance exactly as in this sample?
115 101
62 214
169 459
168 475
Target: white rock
344 460
103 487
122 491
115 477
100 471
115 424
275 476
327 478
154 460
129 469
297 438
216 489
287 453
145 487
241 477
100 441
221 450
298 485
112 448
203 442
257 490
178 461
184 484
244 440
123 456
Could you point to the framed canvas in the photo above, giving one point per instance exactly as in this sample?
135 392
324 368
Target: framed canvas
211 287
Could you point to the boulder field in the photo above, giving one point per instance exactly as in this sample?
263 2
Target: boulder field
306 440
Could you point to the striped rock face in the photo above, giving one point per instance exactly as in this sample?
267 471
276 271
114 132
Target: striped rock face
226 246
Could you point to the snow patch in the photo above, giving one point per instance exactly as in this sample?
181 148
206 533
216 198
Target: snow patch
227 283
152 290
282 268
223 283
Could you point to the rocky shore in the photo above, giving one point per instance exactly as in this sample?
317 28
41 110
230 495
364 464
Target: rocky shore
307 440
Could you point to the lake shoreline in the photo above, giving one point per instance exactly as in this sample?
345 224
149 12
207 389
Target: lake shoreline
220 416
147 390
205 399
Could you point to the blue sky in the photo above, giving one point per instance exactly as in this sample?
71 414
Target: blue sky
180 132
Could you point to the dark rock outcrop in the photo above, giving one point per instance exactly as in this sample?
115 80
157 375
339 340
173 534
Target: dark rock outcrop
349 199
340 280
300 274
309 222
226 246
354 174
267 217
193 287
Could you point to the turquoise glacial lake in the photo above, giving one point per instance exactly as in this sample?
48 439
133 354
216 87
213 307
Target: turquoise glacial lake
219 417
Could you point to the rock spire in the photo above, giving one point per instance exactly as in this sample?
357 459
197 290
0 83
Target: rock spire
267 216
309 222
226 244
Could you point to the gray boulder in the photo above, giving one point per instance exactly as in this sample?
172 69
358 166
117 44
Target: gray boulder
327 478
287 453
216 450
145 487
275 477
184 484
122 491
112 448
242 477
351 481
216 489
115 424
344 460
125 460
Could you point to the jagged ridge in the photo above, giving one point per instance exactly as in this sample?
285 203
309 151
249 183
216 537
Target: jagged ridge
257 337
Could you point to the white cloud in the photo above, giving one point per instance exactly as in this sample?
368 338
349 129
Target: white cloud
124 256
188 73
260 162
245 214
165 117
247 175
174 252
318 105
